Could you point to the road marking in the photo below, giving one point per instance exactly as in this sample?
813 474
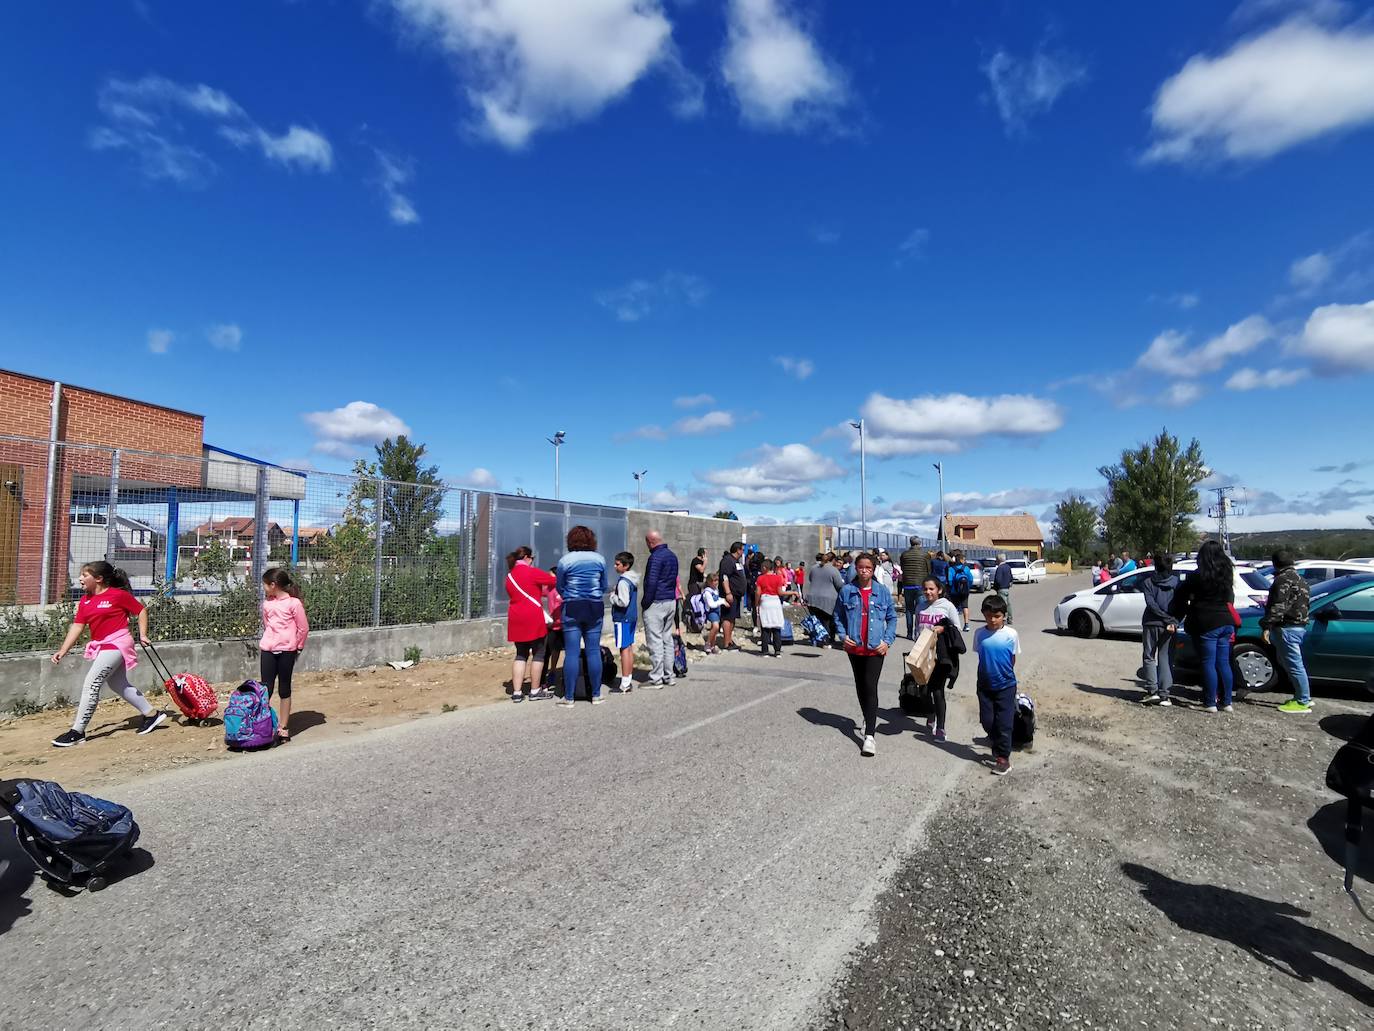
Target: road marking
735 711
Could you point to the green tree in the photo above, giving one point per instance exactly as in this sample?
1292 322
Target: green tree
725 513
1152 494
1076 521
413 497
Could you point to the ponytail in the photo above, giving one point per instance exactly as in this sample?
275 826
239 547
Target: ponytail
519 554
281 580
108 574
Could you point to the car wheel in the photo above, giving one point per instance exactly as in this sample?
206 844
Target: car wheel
1254 668
1083 623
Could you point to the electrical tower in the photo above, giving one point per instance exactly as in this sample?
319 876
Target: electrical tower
1222 511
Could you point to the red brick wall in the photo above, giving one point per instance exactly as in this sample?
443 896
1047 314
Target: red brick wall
87 417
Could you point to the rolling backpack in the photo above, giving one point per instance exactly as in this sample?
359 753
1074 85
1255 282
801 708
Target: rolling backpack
914 698
679 657
815 631
1023 721
1351 774
249 719
72 838
189 693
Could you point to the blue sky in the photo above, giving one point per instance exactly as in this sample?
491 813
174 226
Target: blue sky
701 235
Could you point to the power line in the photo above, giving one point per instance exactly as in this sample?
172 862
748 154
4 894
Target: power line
1224 508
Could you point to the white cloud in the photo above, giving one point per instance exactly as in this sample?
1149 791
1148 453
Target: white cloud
914 246
1180 395
779 475
1283 87
1185 301
143 117
1168 352
159 340
1339 338
1016 497
1270 379
708 422
225 336
340 430
639 298
694 401
1251 11
1024 87
527 65
778 74
1310 272
944 423
479 479
801 368
393 174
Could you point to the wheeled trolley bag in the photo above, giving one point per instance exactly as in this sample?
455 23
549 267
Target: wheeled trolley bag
72 838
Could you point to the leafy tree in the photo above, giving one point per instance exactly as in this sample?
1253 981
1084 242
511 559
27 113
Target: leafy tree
212 563
1075 525
413 498
1152 493
725 513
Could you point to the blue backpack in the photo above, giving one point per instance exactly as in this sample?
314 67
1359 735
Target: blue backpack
249 719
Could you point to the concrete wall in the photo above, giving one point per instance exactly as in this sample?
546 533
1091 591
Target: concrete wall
684 534
795 544
31 678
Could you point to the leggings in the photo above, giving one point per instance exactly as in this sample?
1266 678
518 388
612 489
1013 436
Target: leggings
939 680
867 670
107 670
772 637
276 672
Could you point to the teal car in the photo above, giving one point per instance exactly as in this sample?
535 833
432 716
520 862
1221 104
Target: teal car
1339 645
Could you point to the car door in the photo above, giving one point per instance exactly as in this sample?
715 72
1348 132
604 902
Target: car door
1340 642
1123 604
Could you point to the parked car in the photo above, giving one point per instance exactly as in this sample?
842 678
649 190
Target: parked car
982 575
1319 570
1339 645
1119 605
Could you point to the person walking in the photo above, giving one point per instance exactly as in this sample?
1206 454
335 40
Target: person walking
823 590
1158 626
960 583
583 580
105 608
882 572
939 567
659 599
527 625
732 588
941 616
915 567
1001 583
997 646
1285 625
1206 602
867 622
284 630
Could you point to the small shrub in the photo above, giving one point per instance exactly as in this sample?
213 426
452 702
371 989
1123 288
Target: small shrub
25 707
448 708
413 654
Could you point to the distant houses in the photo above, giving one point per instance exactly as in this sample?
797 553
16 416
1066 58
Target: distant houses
1017 534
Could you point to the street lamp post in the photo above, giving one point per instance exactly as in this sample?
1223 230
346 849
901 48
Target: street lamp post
863 483
940 468
639 487
557 441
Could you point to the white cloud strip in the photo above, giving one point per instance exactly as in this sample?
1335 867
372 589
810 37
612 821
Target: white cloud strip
778 74
943 423
1025 87
1168 353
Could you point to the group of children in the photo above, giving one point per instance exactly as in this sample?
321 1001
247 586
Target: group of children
104 608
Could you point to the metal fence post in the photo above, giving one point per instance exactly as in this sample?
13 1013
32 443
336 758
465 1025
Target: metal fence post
377 517
112 513
262 541
464 543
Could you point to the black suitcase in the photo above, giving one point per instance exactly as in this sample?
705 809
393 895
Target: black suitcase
72 838
1351 774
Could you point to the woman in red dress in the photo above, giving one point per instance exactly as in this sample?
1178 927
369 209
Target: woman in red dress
527 622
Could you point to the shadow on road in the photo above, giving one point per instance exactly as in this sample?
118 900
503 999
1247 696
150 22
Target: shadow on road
1270 931
1343 726
305 720
844 724
1328 827
16 879
1125 694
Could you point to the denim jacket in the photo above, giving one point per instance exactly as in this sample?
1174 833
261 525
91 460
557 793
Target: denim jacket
882 615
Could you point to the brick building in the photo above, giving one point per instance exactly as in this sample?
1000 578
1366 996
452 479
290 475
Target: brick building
1017 534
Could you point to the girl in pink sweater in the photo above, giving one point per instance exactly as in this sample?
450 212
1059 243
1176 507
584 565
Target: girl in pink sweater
284 629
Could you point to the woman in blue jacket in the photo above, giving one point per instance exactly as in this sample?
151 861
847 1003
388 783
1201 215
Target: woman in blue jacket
582 580
866 620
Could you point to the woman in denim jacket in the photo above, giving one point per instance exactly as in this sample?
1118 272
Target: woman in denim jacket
866 621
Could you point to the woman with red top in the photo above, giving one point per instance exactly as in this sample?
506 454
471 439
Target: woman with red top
553 642
866 622
769 590
284 630
105 608
527 625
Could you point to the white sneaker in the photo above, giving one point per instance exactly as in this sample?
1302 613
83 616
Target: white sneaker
1163 702
870 746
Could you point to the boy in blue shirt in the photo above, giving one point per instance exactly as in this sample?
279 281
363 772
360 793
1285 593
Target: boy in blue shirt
624 615
997 646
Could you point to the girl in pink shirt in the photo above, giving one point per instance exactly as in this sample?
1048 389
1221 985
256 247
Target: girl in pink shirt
284 629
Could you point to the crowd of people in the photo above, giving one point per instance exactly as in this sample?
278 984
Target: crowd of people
855 598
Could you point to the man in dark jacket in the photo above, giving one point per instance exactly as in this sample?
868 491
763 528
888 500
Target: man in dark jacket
915 568
732 588
1285 625
659 598
1001 582
1157 632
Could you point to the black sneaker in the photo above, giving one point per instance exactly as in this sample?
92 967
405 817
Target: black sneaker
66 740
153 719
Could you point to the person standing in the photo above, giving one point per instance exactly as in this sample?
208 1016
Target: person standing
939 567
1158 626
696 575
915 566
624 616
1206 601
1001 583
284 630
823 590
1285 625
526 623
940 615
732 588
770 588
660 606
1127 563
960 583
882 572
1097 572
867 621
583 580
553 643
1114 564
997 646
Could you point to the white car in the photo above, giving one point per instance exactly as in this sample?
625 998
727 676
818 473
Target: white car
1119 605
1022 571
1319 570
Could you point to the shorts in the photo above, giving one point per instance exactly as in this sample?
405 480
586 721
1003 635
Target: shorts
959 599
624 634
531 649
731 611
713 616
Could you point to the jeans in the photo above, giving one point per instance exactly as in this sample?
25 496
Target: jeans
868 669
1156 659
911 600
1005 594
1287 642
582 625
658 635
996 712
1214 650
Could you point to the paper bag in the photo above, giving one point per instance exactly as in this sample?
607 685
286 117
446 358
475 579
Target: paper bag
920 661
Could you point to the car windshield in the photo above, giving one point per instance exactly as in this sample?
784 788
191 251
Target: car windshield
1329 587
1255 579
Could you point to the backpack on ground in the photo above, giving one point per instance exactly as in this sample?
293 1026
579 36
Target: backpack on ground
679 657
815 631
610 674
1023 721
914 698
1351 774
787 634
189 693
72 838
249 719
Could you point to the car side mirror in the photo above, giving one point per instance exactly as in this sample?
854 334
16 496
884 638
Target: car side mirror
1327 613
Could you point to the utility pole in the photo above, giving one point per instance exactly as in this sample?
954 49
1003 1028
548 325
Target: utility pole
1224 508
639 487
940 468
557 441
863 483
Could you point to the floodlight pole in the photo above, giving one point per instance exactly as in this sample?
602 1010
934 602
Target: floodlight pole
639 487
557 441
863 483
940 468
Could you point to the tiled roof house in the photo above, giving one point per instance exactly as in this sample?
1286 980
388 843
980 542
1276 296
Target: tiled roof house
1015 534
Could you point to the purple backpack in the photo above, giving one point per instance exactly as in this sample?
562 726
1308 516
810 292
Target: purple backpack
249 719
